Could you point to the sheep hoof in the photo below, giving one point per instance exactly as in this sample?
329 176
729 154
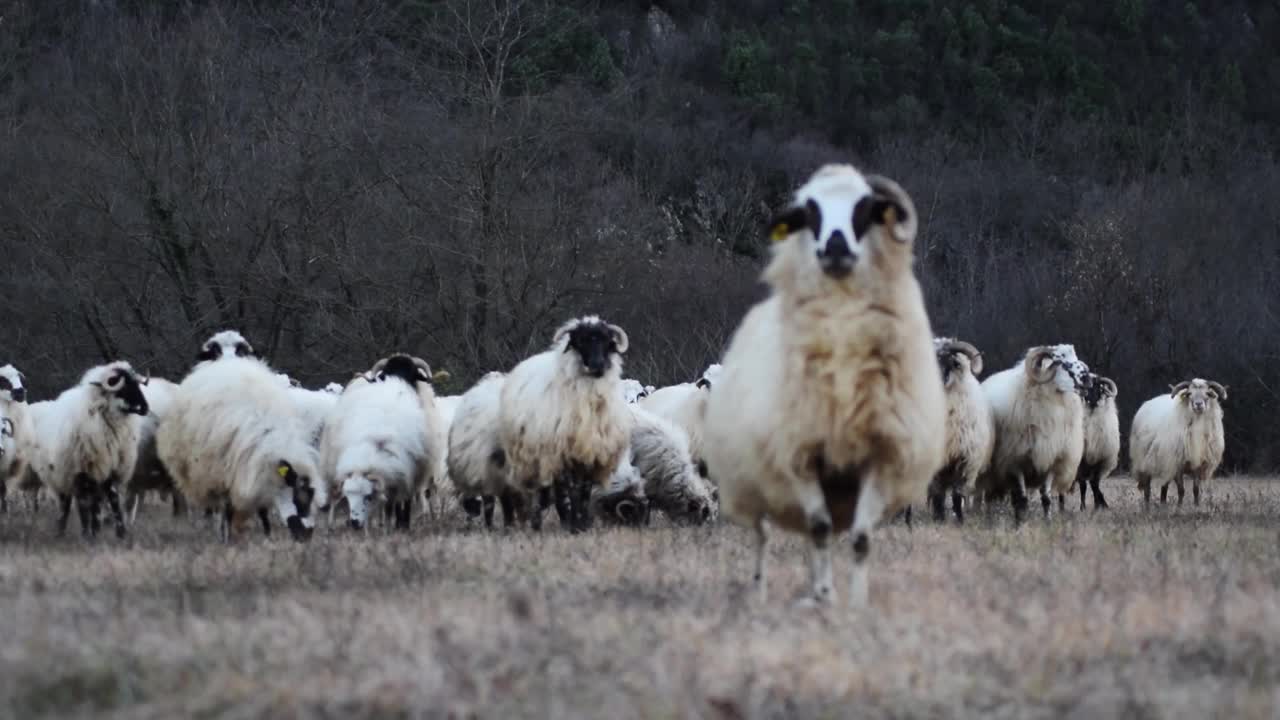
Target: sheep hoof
300 532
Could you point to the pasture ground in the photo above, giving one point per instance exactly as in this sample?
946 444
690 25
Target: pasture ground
1172 614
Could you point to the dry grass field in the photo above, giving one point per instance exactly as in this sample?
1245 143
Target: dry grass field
1172 614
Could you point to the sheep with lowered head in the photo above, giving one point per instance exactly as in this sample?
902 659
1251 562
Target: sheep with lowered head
829 413
1039 422
621 500
89 443
477 464
1178 434
385 441
1101 437
234 441
149 473
685 405
970 429
562 422
672 484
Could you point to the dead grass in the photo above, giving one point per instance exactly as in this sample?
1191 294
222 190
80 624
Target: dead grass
1172 614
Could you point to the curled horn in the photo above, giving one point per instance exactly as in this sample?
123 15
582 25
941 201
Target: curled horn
975 357
377 367
1110 386
1032 364
1175 389
894 208
1220 389
146 380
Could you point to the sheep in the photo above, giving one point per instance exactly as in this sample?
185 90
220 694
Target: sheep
562 421
314 407
1101 437
622 499
829 412
149 473
685 405
234 441
89 443
477 464
385 440
970 428
1178 434
333 388
660 452
21 440
1039 423
225 344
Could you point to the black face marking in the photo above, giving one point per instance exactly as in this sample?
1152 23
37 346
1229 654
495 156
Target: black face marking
130 391
402 367
871 210
211 351
813 217
243 350
702 383
5 384
594 343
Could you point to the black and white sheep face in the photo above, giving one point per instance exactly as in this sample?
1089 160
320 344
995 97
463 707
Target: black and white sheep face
125 390
295 499
1096 389
955 359
12 388
836 210
361 494
1199 394
597 344
227 343
407 368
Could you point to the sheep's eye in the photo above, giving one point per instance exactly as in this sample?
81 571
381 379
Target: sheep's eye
382 376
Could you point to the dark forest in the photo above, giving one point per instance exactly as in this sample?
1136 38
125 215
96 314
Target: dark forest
339 179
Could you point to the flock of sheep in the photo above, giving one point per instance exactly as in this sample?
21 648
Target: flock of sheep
834 408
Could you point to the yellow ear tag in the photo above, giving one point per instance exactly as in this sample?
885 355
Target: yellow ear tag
283 471
780 232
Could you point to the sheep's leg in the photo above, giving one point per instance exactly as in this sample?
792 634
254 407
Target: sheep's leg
508 509
132 501
1195 488
1018 497
762 543
264 517
1095 483
1144 484
820 575
487 502
113 502
563 500
582 504
175 498
870 507
85 505
35 500
938 506
404 508
4 496
224 527
1164 494
535 505
957 505
64 499
1182 489
1062 503
1045 502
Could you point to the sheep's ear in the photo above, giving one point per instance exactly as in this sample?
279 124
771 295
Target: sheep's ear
702 383
620 339
286 473
788 221
115 381
440 376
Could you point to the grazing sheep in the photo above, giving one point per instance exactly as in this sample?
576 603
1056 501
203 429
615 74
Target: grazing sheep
1101 438
829 413
622 499
21 440
1178 434
234 441
1039 422
685 405
225 344
970 429
384 441
660 452
476 461
562 421
89 443
149 473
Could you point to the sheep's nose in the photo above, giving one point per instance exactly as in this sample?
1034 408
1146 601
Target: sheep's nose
19 394
706 514
836 257
357 525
